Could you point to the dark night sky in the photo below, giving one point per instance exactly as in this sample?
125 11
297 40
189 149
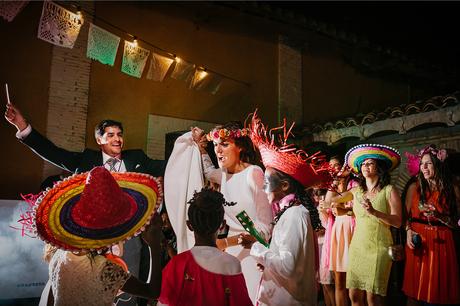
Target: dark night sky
421 30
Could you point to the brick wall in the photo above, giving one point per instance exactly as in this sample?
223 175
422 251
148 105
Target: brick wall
68 94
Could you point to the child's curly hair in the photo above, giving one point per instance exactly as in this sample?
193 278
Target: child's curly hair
206 211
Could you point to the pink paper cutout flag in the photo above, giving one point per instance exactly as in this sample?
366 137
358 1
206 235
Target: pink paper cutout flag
10 9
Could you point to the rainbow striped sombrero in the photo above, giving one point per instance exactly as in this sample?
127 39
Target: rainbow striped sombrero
356 155
97 209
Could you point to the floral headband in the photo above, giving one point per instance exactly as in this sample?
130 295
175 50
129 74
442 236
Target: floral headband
440 154
413 160
221 134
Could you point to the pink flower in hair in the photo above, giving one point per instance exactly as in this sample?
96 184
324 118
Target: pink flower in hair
440 154
413 163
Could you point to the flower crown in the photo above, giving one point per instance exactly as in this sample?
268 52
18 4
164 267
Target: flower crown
440 154
413 160
222 134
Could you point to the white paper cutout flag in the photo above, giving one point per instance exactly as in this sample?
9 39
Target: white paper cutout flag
58 25
183 70
102 45
199 77
159 66
134 59
211 83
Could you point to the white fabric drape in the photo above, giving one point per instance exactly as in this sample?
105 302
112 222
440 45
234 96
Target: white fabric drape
183 176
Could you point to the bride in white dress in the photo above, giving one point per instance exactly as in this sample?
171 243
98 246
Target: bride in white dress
240 181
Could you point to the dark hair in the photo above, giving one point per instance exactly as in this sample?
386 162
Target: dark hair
301 195
382 173
206 211
249 154
338 158
405 213
443 181
99 130
92 254
319 192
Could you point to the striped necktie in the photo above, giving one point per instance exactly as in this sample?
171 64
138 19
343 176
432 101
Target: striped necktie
112 162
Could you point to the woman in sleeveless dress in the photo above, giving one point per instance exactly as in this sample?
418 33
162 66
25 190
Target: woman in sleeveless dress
431 273
376 206
342 229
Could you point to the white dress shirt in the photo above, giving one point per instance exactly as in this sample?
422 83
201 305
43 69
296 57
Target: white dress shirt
289 276
119 166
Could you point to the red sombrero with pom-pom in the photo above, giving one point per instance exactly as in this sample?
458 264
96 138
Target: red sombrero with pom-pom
97 209
307 170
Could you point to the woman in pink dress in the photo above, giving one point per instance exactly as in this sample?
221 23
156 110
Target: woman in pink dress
324 247
342 230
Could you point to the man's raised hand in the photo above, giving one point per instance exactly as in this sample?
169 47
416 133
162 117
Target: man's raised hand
14 116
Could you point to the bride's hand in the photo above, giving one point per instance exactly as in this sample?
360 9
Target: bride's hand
199 137
197 133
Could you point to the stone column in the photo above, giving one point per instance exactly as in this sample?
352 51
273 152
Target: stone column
289 81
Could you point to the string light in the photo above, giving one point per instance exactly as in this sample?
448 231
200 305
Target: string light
202 74
134 43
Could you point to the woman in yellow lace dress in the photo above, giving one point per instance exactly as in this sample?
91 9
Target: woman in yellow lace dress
377 206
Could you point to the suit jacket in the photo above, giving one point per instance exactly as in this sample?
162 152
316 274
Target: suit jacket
76 162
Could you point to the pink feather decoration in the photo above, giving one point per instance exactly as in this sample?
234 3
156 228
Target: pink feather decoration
412 164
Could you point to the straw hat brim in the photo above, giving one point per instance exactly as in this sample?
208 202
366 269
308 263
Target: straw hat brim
56 226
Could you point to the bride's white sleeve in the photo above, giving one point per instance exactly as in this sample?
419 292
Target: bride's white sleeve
210 172
183 176
264 215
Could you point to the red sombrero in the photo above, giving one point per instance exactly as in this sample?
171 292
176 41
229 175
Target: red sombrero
97 209
307 170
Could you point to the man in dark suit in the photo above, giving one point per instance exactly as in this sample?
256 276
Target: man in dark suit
109 137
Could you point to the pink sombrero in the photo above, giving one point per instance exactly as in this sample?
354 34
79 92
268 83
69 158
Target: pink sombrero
97 209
